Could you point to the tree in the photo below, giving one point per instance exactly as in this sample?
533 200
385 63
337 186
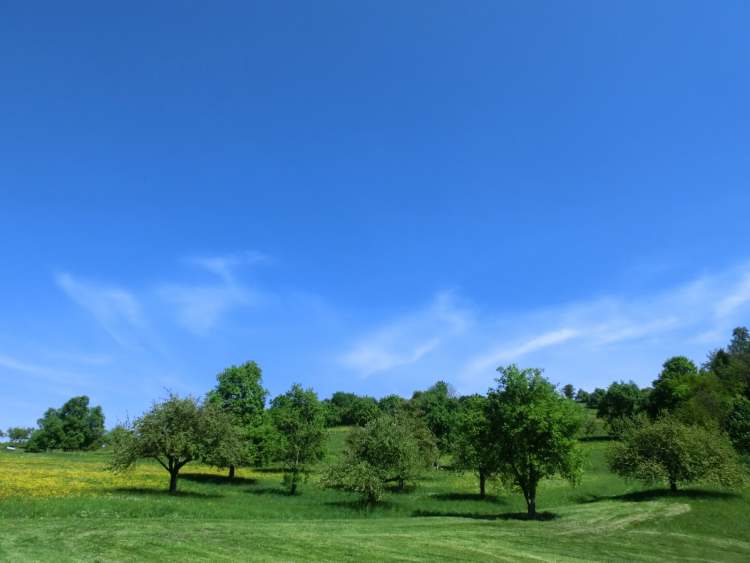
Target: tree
595 398
385 450
472 446
239 392
533 430
668 450
19 435
583 396
392 404
74 426
732 366
299 418
568 391
738 425
621 401
673 387
437 407
174 433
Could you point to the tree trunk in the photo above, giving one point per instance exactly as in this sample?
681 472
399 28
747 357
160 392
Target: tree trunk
673 485
231 471
531 507
293 488
401 484
482 482
173 481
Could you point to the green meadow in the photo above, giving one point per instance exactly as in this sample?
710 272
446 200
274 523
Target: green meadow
67 507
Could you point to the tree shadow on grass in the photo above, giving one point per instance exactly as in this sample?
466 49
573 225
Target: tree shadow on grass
469 497
540 516
655 494
270 491
217 479
359 505
163 493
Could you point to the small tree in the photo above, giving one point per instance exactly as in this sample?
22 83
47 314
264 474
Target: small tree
472 444
18 435
299 418
533 430
668 450
239 392
174 433
386 450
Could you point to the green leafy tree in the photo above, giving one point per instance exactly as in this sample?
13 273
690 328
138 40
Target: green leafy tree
732 366
299 418
392 404
621 401
438 407
673 387
385 450
738 425
19 435
668 450
582 396
595 398
568 391
472 446
74 426
240 393
534 431
176 432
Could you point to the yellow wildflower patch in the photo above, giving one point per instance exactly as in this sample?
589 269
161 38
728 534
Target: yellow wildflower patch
73 474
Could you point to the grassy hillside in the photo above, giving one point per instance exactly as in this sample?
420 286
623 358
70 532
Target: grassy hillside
66 507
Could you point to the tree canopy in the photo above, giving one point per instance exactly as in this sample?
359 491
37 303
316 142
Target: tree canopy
74 426
176 432
670 451
533 430
299 418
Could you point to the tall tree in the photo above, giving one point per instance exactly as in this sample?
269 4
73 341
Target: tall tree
176 432
299 418
437 406
534 431
472 443
673 387
568 391
240 393
621 401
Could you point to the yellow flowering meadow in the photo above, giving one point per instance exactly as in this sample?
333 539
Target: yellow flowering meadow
61 475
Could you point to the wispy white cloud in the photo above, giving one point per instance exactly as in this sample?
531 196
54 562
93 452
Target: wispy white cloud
489 360
117 310
588 342
738 297
408 339
200 307
44 373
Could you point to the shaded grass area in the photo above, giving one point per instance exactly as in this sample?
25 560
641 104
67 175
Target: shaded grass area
252 517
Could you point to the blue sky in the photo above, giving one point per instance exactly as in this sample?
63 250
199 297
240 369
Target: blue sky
366 196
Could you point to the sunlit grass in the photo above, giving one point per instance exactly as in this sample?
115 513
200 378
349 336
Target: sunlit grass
67 506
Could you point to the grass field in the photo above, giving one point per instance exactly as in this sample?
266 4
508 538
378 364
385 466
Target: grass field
67 507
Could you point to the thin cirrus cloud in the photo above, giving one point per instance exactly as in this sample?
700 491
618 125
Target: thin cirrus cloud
200 307
589 342
117 310
408 339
